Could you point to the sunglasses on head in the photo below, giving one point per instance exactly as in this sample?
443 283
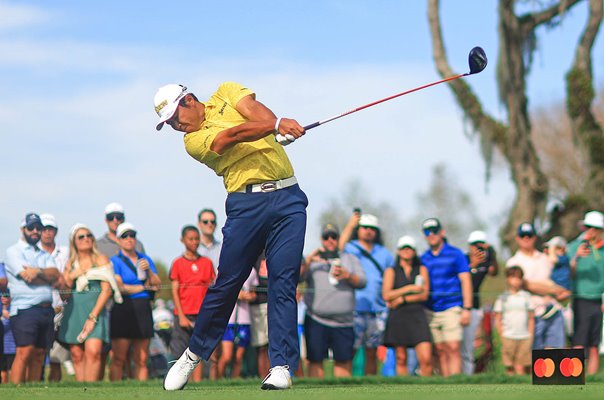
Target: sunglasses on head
116 216
208 221
433 230
129 235
328 236
84 236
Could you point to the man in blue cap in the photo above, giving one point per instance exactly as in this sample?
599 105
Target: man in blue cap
31 274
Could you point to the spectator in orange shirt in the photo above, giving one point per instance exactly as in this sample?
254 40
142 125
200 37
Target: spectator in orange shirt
191 275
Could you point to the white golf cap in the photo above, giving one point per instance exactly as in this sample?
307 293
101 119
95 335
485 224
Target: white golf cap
477 236
556 241
369 220
406 241
76 228
594 219
123 228
114 208
166 101
49 220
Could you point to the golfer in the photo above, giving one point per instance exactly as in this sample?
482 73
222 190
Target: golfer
234 135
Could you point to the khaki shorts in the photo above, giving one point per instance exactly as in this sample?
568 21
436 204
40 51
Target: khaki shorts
445 326
259 325
516 352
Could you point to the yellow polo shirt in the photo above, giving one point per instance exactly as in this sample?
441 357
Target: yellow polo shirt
244 163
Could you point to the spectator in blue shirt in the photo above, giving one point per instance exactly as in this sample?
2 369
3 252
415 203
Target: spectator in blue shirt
370 312
555 248
132 321
31 274
450 302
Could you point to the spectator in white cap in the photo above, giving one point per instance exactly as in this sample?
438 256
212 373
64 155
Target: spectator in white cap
483 261
108 243
132 321
555 248
405 289
587 265
537 269
58 354
370 311
450 301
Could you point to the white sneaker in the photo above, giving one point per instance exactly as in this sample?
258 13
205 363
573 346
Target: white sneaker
178 376
278 378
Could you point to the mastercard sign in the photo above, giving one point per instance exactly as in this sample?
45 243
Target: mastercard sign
559 367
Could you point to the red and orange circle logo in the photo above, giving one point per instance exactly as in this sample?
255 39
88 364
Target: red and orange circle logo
544 367
571 367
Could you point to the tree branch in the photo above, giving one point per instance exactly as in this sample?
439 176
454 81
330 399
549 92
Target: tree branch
532 20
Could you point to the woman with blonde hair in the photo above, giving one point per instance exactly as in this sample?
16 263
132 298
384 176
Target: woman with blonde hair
85 325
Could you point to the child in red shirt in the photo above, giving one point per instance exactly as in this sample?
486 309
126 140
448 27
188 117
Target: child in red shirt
191 275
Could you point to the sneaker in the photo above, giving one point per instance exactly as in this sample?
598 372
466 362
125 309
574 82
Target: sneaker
178 375
278 378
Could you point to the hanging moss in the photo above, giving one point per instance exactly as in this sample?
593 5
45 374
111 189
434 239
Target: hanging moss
580 92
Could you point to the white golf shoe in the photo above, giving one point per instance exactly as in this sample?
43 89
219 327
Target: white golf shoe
278 378
178 376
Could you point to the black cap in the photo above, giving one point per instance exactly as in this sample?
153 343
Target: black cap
526 229
32 219
431 223
330 228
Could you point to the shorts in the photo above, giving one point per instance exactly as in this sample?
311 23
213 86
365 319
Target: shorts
180 337
445 326
238 334
6 362
516 352
132 319
587 322
320 338
369 329
259 325
34 326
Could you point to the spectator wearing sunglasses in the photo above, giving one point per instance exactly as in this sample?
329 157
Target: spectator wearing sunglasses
85 324
537 268
132 321
108 243
31 274
370 311
450 300
329 323
209 246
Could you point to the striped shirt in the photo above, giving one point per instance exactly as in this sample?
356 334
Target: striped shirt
444 269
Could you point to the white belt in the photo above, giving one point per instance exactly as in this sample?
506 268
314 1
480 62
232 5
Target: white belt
268 186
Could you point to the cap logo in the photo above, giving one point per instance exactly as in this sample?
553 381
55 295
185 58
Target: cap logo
161 106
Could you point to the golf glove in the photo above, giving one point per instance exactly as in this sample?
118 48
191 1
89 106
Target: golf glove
284 140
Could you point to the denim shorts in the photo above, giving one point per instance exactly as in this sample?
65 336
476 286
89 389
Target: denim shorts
238 334
369 329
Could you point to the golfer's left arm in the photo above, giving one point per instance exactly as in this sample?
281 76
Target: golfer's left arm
261 122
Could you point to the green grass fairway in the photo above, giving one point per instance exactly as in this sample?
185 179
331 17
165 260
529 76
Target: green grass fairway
482 387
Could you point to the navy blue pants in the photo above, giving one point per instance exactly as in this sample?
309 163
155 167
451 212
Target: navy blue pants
275 221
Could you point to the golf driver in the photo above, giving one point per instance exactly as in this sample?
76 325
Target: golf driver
477 60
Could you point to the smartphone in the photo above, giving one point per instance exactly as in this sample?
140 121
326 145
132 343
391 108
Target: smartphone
356 210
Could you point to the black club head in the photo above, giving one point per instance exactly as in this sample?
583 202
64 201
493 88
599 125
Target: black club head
477 60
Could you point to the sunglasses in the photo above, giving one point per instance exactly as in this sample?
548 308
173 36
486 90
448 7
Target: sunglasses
129 235
526 235
32 228
116 216
429 231
84 236
328 236
208 221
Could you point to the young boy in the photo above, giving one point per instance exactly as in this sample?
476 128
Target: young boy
514 318
191 275
555 248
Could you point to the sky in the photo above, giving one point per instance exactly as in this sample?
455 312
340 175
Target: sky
77 81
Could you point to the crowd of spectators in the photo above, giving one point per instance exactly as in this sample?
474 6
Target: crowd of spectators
77 307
